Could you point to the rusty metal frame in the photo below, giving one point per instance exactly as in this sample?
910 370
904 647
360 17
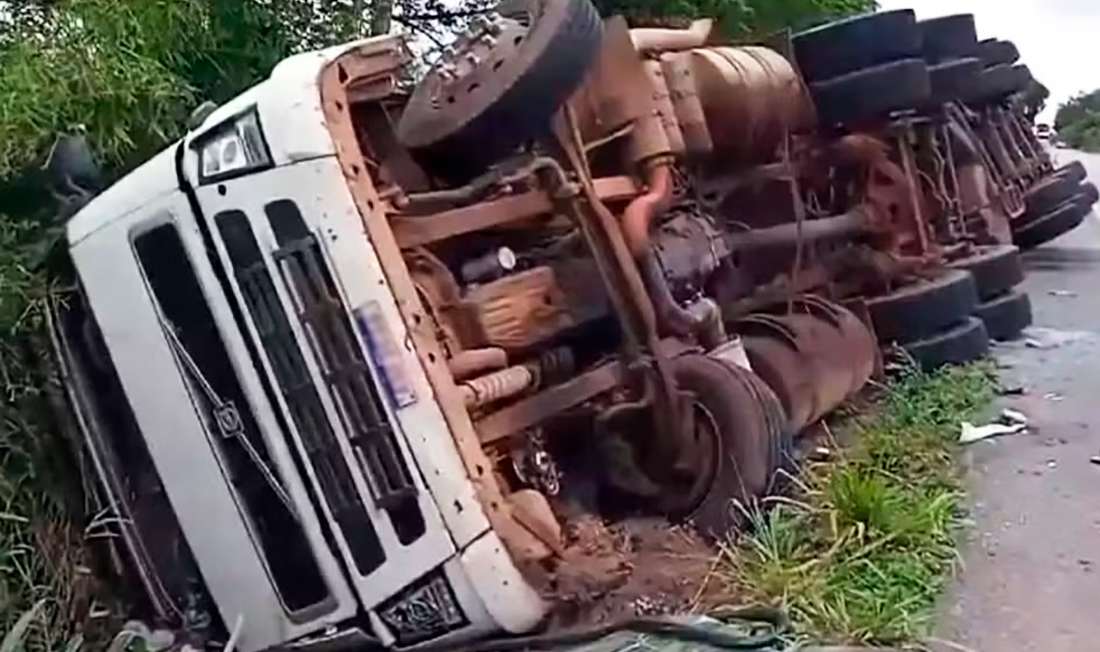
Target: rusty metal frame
417 231
379 60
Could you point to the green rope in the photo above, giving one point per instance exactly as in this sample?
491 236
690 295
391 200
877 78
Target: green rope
771 624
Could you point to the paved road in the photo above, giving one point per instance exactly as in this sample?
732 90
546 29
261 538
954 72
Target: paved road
1031 579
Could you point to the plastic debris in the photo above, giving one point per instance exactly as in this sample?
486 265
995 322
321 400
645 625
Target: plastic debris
1008 415
1010 422
1051 338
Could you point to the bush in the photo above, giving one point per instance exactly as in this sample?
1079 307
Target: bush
1078 122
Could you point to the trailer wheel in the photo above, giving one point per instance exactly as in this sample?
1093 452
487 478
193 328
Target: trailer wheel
955 80
843 46
1045 228
872 92
734 424
924 308
966 342
1006 316
994 52
1050 194
948 37
1089 195
1074 170
996 269
999 82
457 125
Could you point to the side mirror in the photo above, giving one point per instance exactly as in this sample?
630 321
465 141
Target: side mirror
72 168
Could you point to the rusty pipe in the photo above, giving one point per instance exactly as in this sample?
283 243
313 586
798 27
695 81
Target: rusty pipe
471 362
710 328
654 39
672 320
639 214
845 224
490 388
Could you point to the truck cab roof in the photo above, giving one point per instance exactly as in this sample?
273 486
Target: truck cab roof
289 106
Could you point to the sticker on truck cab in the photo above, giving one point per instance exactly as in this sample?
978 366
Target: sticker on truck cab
383 349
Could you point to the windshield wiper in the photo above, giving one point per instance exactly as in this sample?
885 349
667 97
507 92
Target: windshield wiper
226 417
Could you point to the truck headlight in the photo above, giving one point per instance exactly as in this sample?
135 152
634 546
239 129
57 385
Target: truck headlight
233 148
425 610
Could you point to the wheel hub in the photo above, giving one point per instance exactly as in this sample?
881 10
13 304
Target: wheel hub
469 63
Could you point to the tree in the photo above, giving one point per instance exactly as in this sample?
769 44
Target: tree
740 19
1078 122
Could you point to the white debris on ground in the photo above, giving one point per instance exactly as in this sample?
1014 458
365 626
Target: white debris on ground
1010 422
1051 338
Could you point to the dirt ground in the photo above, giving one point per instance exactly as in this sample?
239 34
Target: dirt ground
1031 579
639 567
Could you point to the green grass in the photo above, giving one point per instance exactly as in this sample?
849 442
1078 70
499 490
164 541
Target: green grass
863 551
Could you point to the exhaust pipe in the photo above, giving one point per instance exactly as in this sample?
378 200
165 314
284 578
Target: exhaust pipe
650 40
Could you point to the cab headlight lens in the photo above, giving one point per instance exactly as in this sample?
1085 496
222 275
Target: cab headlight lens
234 148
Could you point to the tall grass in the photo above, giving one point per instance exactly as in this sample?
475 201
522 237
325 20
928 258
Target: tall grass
865 549
46 589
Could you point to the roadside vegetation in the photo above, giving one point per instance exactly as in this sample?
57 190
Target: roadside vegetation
127 73
1078 122
866 545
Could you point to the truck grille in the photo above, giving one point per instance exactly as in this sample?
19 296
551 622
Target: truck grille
320 443
326 321
174 285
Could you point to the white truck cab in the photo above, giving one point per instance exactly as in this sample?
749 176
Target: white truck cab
233 294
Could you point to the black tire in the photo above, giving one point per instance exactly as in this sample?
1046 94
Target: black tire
515 104
996 269
1089 194
841 47
1006 316
955 81
781 441
921 309
1084 202
999 82
1045 228
1023 78
966 342
872 92
1050 194
1074 170
949 37
743 468
993 52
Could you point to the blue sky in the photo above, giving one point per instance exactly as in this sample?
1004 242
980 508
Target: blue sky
1057 39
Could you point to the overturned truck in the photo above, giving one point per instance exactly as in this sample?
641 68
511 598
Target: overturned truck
348 357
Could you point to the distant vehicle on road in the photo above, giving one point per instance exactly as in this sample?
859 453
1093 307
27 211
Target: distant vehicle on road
1043 131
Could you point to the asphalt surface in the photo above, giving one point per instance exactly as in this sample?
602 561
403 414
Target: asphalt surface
1031 574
